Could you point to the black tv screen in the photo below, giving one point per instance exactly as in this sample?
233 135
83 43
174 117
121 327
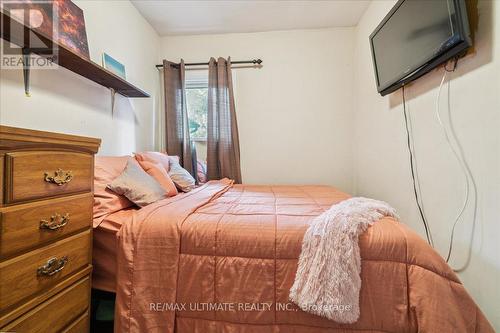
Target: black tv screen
415 37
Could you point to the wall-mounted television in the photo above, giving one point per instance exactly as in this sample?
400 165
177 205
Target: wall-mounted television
415 37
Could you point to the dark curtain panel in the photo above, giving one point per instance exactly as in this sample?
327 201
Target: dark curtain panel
223 146
177 138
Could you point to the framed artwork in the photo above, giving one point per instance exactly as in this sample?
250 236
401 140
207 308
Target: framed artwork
59 20
72 33
113 65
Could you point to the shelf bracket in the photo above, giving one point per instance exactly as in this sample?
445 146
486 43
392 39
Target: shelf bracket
113 94
26 70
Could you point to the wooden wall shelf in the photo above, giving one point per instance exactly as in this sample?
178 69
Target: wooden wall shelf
69 59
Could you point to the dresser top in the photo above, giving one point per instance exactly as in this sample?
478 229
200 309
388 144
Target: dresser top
13 137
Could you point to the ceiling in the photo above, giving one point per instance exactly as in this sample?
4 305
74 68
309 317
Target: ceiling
232 16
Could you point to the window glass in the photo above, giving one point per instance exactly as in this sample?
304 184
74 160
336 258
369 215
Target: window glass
197 102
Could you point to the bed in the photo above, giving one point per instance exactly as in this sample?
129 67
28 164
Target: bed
105 245
223 257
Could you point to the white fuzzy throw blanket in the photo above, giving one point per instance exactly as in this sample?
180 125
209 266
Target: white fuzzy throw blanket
328 279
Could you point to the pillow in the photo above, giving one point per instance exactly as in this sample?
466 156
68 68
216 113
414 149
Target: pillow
202 171
154 157
158 172
180 176
106 201
137 185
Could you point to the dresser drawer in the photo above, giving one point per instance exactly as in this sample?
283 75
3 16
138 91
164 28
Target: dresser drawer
80 325
38 174
64 310
40 269
29 225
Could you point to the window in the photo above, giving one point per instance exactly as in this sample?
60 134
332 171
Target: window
197 102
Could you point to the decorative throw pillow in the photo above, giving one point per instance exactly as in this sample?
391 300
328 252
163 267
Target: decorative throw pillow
106 201
202 171
137 185
158 172
154 157
180 176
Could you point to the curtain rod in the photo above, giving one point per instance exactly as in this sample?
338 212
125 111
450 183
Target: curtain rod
254 61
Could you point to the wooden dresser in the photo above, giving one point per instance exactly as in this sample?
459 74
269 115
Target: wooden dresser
45 230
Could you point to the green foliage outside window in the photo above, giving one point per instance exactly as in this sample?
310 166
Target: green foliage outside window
197 101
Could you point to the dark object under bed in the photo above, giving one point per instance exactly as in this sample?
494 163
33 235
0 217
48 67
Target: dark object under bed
102 311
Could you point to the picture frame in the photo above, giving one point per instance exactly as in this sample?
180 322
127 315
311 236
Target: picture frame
60 20
113 65
72 31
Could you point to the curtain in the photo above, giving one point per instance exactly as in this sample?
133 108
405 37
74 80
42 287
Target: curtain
177 139
223 147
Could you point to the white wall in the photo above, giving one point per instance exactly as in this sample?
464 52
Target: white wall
64 102
294 113
381 157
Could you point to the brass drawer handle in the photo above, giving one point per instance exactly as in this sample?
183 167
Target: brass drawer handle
60 177
52 266
56 221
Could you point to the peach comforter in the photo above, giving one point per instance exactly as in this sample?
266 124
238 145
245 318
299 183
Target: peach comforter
223 258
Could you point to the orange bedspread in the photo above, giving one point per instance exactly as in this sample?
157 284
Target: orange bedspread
223 258
104 249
